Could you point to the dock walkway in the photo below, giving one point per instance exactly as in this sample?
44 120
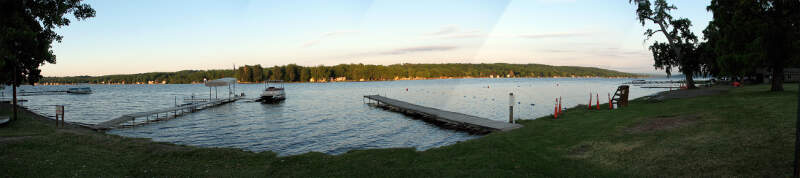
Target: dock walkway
162 114
447 119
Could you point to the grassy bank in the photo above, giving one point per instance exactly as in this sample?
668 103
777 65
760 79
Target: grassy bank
744 132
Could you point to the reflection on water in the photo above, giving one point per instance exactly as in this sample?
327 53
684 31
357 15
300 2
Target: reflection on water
323 117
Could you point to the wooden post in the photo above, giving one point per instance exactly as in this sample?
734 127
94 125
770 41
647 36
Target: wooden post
57 115
510 107
590 100
175 112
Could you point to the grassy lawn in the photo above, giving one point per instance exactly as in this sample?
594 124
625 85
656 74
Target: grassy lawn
745 132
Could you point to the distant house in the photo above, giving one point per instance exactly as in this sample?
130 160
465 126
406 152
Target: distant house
789 74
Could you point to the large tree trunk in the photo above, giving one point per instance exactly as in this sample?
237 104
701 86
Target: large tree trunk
689 80
797 138
777 78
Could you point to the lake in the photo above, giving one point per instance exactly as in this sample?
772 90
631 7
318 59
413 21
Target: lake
323 117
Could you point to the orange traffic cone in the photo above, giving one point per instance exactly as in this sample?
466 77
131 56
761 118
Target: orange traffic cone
598 101
555 110
559 105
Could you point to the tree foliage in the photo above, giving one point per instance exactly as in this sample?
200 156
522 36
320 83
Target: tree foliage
351 72
680 49
750 35
27 32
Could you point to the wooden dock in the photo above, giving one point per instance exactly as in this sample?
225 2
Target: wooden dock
161 114
442 118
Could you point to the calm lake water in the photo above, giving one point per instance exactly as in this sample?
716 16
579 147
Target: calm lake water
322 117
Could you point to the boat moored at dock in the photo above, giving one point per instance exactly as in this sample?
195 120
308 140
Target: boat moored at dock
272 94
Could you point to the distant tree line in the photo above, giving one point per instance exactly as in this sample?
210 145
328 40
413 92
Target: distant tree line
350 72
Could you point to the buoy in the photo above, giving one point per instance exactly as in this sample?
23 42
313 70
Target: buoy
598 101
590 100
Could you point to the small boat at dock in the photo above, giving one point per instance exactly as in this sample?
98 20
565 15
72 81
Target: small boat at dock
272 94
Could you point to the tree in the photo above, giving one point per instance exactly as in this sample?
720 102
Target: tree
291 73
240 74
26 35
248 74
750 35
277 73
680 39
258 73
305 74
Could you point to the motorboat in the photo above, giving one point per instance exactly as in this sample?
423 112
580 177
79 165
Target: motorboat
272 94
80 90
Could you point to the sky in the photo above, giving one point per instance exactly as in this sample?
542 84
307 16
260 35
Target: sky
129 37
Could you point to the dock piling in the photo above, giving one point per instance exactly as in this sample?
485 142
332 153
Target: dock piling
511 108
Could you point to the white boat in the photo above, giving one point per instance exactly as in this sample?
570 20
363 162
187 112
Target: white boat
272 94
80 90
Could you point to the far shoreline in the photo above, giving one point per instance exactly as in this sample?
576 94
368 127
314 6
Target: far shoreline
345 81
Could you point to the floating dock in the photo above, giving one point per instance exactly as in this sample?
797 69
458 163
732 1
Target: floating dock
442 118
35 93
161 114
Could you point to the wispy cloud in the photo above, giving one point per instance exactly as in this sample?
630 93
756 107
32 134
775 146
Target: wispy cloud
339 33
454 32
310 43
446 30
556 1
558 51
553 35
461 35
417 49
325 35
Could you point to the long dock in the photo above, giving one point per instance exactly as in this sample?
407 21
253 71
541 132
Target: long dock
442 118
35 93
162 114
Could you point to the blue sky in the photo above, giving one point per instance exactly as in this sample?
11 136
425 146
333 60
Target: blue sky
161 36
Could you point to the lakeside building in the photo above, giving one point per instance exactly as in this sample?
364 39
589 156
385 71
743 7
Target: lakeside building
789 75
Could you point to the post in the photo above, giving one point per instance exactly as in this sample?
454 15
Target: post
62 115
57 110
234 80
590 100
532 109
510 107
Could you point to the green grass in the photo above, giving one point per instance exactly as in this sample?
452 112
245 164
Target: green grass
747 132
